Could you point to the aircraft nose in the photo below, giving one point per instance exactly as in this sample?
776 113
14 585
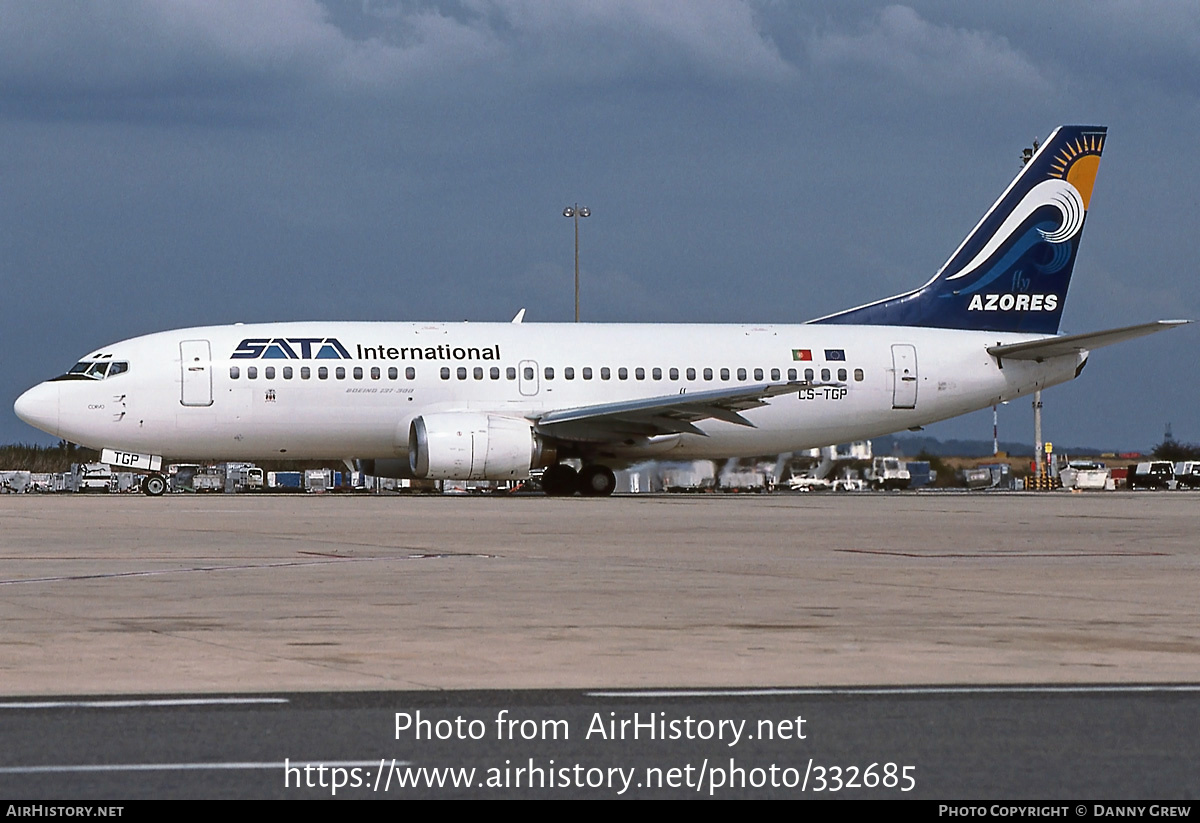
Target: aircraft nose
39 407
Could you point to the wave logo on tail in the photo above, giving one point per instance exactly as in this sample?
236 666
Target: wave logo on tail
1057 193
1073 174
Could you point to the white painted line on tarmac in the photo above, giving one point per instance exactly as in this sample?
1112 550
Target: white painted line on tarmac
193 767
904 690
138 704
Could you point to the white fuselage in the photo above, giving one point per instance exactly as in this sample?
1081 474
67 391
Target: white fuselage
178 397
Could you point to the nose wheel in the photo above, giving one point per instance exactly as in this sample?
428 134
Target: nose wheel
154 485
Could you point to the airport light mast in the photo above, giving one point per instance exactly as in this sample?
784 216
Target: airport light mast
576 212
1026 156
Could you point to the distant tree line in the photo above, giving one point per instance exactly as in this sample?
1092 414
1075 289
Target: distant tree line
1175 451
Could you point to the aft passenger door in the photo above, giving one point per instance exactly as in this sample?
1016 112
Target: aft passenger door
195 364
904 376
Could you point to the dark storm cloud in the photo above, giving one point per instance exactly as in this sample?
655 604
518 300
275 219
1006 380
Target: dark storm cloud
932 58
78 59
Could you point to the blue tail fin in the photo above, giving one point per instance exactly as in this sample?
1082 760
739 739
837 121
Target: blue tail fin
1013 270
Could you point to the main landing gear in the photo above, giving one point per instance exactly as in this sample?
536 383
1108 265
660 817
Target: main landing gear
594 480
154 485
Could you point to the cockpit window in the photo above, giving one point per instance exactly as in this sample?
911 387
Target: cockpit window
95 370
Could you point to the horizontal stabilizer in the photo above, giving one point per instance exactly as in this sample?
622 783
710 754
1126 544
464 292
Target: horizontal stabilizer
1076 343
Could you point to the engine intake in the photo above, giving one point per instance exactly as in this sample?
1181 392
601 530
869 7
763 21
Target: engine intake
475 446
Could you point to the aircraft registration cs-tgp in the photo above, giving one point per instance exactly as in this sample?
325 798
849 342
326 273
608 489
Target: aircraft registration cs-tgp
500 400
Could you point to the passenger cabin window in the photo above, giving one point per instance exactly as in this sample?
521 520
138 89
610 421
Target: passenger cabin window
791 374
691 374
510 373
528 372
477 373
375 375
841 374
462 372
824 374
252 372
623 373
340 372
724 374
234 372
323 373
445 372
808 375
549 372
358 372
605 374
656 373
758 374
741 374
639 373
587 372
858 375
708 374
287 372
269 372
494 372
774 374
569 373
393 373
410 373
305 372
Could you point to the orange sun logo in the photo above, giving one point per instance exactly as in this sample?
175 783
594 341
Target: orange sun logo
1078 162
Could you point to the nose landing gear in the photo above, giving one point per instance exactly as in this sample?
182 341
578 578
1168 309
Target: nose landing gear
153 485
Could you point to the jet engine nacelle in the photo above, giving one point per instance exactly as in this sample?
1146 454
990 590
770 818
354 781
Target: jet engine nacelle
475 446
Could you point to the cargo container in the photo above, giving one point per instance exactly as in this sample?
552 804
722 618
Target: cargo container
285 481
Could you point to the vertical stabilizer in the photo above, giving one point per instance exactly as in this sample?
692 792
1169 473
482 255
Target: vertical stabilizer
1013 270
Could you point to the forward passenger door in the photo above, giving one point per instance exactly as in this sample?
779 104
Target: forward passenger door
195 364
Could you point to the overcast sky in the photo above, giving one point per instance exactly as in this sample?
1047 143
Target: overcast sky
168 164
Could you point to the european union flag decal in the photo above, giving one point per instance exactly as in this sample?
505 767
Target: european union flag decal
835 354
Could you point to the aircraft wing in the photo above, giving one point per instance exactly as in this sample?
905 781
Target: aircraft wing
668 414
1076 343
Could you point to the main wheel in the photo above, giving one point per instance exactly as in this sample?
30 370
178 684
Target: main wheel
597 481
154 485
560 480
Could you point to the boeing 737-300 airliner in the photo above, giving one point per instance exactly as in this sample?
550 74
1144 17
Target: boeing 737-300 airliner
499 400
